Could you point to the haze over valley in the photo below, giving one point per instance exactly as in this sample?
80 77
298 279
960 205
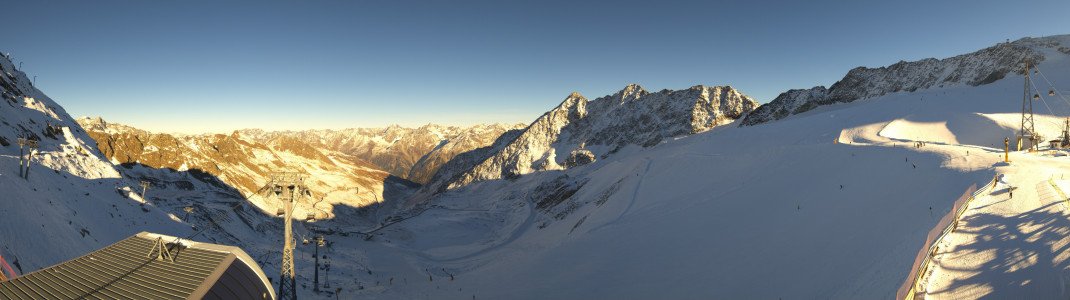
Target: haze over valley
941 176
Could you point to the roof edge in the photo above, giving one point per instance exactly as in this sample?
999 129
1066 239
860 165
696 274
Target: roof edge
236 251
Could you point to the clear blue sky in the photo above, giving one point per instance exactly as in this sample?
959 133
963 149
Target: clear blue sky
187 66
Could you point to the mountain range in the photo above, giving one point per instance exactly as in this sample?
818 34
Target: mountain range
693 193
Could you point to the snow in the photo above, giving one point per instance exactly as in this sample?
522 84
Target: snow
749 212
630 116
1010 247
724 214
831 203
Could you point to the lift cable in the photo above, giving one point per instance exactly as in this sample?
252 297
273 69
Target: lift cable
1041 98
1052 86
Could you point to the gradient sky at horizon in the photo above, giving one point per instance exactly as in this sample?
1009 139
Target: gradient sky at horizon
216 66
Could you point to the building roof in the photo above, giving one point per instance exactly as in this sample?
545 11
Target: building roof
130 269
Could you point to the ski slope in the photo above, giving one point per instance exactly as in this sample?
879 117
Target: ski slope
750 212
73 201
1010 244
831 203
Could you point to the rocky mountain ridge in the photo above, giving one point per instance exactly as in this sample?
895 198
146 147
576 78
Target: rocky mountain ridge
978 68
579 131
246 164
410 153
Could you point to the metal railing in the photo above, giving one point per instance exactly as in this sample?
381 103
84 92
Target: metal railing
946 225
1051 181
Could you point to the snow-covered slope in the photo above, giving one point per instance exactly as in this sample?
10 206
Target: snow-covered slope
246 165
834 202
831 203
580 131
74 201
410 153
978 68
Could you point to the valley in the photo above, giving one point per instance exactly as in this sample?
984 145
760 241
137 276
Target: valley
695 193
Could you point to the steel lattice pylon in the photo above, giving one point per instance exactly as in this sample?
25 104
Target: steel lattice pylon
287 187
1028 129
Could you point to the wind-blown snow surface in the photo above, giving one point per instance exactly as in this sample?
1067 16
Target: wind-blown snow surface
1009 245
579 131
834 202
74 200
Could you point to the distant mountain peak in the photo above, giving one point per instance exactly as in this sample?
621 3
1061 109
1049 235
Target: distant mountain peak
981 67
630 92
574 96
631 116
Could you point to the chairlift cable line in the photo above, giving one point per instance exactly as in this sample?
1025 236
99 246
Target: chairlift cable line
1041 98
1052 86
231 208
1042 101
1038 97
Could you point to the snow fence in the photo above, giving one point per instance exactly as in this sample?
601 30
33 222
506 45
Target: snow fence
946 225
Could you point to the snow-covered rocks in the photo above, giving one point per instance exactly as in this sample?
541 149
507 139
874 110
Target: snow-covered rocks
978 68
410 153
631 116
244 165
579 157
73 200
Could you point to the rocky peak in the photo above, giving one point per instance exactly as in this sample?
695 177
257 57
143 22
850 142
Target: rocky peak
406 152
978 68
631 116
630 92
245 165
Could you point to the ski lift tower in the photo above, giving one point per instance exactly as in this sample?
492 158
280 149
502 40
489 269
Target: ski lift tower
316 242
144 189
287 187
1065 142
1028 131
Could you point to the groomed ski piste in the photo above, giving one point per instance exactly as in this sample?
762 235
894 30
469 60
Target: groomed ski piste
832 203
1011 242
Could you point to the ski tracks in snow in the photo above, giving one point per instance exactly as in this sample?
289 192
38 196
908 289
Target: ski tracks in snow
635 195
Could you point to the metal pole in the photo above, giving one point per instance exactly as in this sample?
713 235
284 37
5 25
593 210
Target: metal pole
26 174
327 274
316 278
1006 150
22 156
29 158
144 189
